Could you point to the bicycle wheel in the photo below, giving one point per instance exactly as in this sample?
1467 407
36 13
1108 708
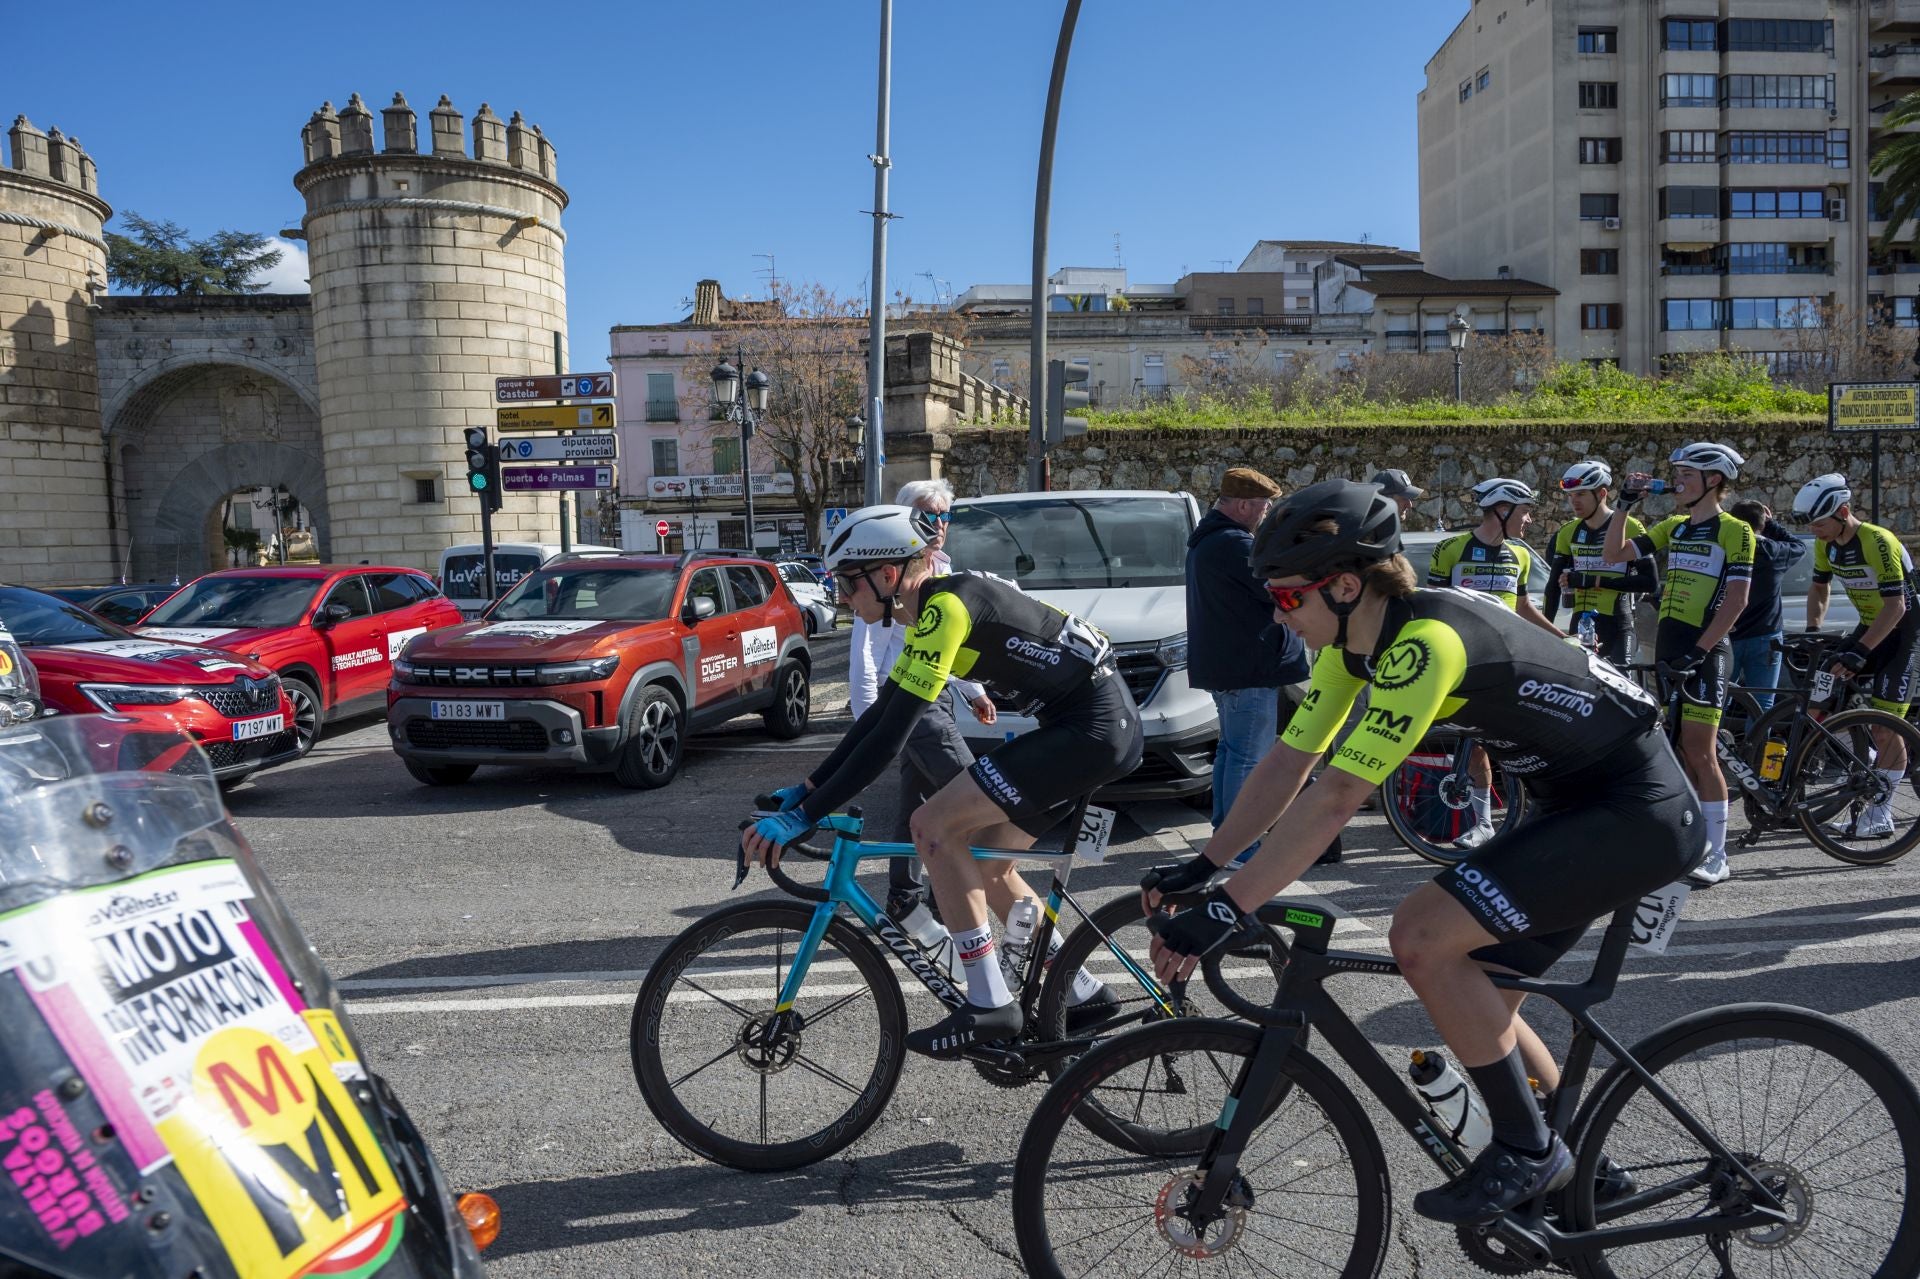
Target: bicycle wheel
1816 1110
1428 785
1313 1185
1257 976
733 1087
1841 762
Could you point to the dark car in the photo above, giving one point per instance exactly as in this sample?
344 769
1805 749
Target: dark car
124 604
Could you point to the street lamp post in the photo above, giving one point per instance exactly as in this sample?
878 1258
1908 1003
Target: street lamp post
743 402
1457 330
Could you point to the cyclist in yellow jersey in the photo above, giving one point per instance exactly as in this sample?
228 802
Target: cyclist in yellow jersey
1709 574
1581 576
1491 559
1877 574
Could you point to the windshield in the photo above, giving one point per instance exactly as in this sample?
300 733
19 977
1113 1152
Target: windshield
1067 543
596 594
464 576
238 602
37 620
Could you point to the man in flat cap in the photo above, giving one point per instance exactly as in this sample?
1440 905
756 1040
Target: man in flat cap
1235 650
1395 484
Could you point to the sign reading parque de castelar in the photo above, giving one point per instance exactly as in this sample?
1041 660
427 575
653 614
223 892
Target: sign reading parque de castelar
554 386
1873 406
567 417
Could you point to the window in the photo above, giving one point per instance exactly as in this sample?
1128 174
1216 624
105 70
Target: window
1481 81
1598 39
1154 370
1876 208
705 585
748 589
1599 150
1688 33
1256 306
1223 306
662 404
394 590
1761 202
1756 258
1679 314
666 457
1777 35
1775 146
1689 202
1776 91
1772 313
1595 207
350 593
1599 95
1838 148
726 455
1689 90
426 490
1600 315
1466 90
1689 146
1904 314
1676 261
1599 261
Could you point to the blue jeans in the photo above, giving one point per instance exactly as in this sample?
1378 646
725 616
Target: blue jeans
1249 719
1755 664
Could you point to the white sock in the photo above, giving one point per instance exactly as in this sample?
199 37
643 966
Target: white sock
1085 984
1482 806
986 985
1893 778
1716 814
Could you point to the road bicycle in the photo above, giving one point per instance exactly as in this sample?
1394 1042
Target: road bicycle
1759 1132
1428 799
769 1035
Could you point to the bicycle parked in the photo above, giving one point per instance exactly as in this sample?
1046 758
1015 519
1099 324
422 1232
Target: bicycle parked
1428 800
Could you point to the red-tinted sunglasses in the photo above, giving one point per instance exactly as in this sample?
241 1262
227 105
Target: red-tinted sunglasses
1288 598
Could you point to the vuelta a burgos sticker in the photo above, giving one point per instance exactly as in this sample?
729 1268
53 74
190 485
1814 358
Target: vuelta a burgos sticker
71 1194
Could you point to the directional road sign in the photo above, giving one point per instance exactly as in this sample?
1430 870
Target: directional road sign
571 417
555 386
546 479
558 448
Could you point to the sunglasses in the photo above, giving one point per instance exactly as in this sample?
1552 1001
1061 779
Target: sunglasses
944 517
1288 598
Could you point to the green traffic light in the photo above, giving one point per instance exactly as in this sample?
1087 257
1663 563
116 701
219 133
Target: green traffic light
477 482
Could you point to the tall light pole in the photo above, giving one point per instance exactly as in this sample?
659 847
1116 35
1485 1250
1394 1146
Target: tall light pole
1457 330
1042 200
742 403
876 459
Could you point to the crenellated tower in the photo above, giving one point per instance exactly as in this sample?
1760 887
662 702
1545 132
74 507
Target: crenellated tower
434 270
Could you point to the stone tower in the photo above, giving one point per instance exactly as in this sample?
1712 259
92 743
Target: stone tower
57 523
434 271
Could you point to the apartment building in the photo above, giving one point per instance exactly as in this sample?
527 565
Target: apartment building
1689 175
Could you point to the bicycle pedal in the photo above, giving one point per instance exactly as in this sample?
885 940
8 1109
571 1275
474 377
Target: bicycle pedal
1523 1244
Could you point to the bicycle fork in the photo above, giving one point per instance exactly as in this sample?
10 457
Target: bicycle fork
1261 1080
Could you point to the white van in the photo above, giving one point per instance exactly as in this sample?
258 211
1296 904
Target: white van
462 569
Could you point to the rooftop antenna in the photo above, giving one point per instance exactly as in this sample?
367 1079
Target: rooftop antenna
942 289
1223 263
771 274
1117 260
1366 237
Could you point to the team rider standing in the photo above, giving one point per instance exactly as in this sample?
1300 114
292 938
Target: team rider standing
1613 818
1582 576
1709 570
1877 574
1050 664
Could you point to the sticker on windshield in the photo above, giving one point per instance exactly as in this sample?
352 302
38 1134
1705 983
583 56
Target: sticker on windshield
760 645
397 641
186 634
553 628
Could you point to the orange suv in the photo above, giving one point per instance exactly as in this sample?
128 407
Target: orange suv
603 663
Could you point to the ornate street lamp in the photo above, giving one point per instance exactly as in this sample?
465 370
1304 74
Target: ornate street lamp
745 409
1457 330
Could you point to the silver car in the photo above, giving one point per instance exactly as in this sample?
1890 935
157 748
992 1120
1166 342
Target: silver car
816 610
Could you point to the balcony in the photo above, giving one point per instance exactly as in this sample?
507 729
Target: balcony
1888 13
1893 63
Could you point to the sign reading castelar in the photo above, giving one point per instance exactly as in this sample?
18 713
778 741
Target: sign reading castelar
1873 406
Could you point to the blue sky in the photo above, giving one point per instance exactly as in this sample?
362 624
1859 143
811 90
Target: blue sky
1190 129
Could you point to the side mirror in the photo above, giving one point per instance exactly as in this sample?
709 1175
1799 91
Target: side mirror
699 608
331 615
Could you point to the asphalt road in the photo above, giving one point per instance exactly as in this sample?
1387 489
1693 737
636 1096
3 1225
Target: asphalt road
490 939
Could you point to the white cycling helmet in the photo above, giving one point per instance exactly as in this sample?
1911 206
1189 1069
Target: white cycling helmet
1705 455
1585 476
878 535
1820 497
1502 492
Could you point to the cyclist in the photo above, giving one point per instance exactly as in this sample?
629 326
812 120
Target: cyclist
1493 559
1709 573
1590 584
1877 574
1614 817
1051 664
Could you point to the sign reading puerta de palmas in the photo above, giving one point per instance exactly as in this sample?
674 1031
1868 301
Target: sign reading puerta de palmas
599 446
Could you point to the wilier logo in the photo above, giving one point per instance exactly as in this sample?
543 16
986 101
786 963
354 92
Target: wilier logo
1402 664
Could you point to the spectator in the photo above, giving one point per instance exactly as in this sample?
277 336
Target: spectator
1396 485
1756 663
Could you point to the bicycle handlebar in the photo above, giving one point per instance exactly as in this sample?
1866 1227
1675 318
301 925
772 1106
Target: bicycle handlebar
1255 929
786 883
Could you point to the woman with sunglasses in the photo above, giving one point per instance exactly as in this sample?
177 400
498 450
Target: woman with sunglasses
1612 819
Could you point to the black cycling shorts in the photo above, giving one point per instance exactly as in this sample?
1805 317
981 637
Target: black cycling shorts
1888 675
1617 642
1589 845
1037 779
1704 693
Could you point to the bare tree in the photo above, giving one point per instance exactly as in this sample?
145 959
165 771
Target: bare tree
1846 344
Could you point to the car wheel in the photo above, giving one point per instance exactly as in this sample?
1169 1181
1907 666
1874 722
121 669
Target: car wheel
306 712
656 736
792 702
812 625
439 774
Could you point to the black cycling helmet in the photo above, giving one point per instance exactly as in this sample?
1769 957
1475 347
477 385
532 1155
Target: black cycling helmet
1367 530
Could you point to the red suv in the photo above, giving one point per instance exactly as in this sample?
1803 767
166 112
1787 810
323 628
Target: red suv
330 632
604 663
235 708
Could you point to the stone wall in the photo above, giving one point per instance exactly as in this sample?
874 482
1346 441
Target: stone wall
1446 460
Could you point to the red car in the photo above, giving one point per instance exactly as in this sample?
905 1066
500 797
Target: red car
330 632
236 709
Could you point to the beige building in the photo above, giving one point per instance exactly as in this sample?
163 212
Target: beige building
1689 175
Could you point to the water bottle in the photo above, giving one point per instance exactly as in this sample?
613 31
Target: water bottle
931 935
1589 632
1454 1104
1655 486
1021 921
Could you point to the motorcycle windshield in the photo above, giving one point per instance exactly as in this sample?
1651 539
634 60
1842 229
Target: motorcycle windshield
178 1091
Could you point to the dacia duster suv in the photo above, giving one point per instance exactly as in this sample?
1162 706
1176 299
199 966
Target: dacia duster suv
603 664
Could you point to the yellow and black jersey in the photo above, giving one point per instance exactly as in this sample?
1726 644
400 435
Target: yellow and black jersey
1469 564
1540 706
1873 567
984 628
1597 586
1701 559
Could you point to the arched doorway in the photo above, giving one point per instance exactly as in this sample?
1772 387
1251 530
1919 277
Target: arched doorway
260 526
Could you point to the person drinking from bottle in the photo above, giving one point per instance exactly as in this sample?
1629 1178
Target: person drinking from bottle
1578 573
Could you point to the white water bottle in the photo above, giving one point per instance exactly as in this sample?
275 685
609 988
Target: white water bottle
931 935
1454 1104
1021 921
1589 632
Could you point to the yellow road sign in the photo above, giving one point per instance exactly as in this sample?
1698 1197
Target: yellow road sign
569 417
1873 406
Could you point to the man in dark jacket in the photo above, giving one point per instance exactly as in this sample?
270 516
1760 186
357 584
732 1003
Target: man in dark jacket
1775 550
1235 650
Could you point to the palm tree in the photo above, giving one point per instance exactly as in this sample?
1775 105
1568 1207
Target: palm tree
1897 164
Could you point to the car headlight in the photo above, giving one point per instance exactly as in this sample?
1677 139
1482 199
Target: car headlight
112 697
402 667
1173 652
576 672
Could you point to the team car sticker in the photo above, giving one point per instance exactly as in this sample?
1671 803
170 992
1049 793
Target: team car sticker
359 657
553 629
716 667
759 645
69 1192
334 1044
6 663
397 640
186 634
140 650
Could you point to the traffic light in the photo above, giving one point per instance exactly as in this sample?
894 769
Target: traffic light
1066 392
483 468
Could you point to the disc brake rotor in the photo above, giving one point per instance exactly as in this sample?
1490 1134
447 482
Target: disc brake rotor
1210 1240
1795 1195
769 1042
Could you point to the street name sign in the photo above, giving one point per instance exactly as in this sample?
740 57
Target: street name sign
558 448
570 417
549 479
554 386
1873 406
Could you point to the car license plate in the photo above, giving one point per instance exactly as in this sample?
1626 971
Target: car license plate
246 730
467 710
